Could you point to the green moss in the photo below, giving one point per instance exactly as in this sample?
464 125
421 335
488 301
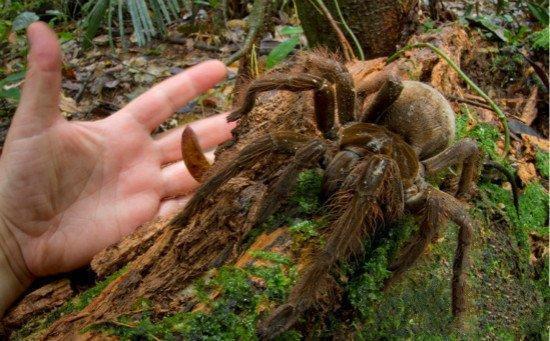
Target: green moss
533 212
277 281
485 134
303 230
232 315
273 257
461 123
543 163
81 301
308 190
533 207
364 291
415 307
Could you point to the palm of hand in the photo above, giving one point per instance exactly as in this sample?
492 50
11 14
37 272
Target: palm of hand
68 189
97 181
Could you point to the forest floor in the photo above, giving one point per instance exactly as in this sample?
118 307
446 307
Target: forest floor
508 279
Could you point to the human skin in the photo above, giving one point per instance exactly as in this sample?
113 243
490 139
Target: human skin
68 189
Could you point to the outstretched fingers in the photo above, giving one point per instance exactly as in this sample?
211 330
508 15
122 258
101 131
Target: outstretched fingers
39 105
210 132
160 102
178 180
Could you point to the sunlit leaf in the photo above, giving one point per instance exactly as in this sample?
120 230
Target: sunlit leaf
539 12
498 31
292 30
541 39
281 51
94 20
11 92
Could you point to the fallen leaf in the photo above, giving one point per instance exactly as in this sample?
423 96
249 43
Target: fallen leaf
526 172
68 106
209 102
529 112
101 40
111 84
69 85
237 23
541 143
518 127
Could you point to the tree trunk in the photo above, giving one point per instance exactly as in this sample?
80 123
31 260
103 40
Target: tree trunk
379 25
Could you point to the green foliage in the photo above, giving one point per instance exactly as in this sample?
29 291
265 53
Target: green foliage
540 12
533 204
304 229
273 257
94 20
461 123
540 40
277 281
281 51
543 163
292 30
308 190
149 18
430 26
8 90
486 136
533 208
366 291
515 34
16 15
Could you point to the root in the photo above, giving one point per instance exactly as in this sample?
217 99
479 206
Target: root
257 19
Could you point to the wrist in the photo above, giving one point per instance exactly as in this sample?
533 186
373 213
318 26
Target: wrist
14 275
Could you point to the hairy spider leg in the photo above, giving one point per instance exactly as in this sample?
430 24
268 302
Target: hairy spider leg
464 151
282 142
323 65
383 99
337 171
438 207
357 207
192 155
323 96
309 153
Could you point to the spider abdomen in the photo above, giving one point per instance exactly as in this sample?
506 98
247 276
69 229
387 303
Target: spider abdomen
423 117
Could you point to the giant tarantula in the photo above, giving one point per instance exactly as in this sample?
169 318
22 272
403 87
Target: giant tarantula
377 157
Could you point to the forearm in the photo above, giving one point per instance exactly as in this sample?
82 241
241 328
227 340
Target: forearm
14 275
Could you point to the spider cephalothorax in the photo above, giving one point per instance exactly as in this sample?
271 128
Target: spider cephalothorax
376 155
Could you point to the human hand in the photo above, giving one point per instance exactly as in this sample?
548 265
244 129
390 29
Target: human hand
69 189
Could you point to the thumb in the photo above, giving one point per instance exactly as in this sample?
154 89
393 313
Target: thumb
39 105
